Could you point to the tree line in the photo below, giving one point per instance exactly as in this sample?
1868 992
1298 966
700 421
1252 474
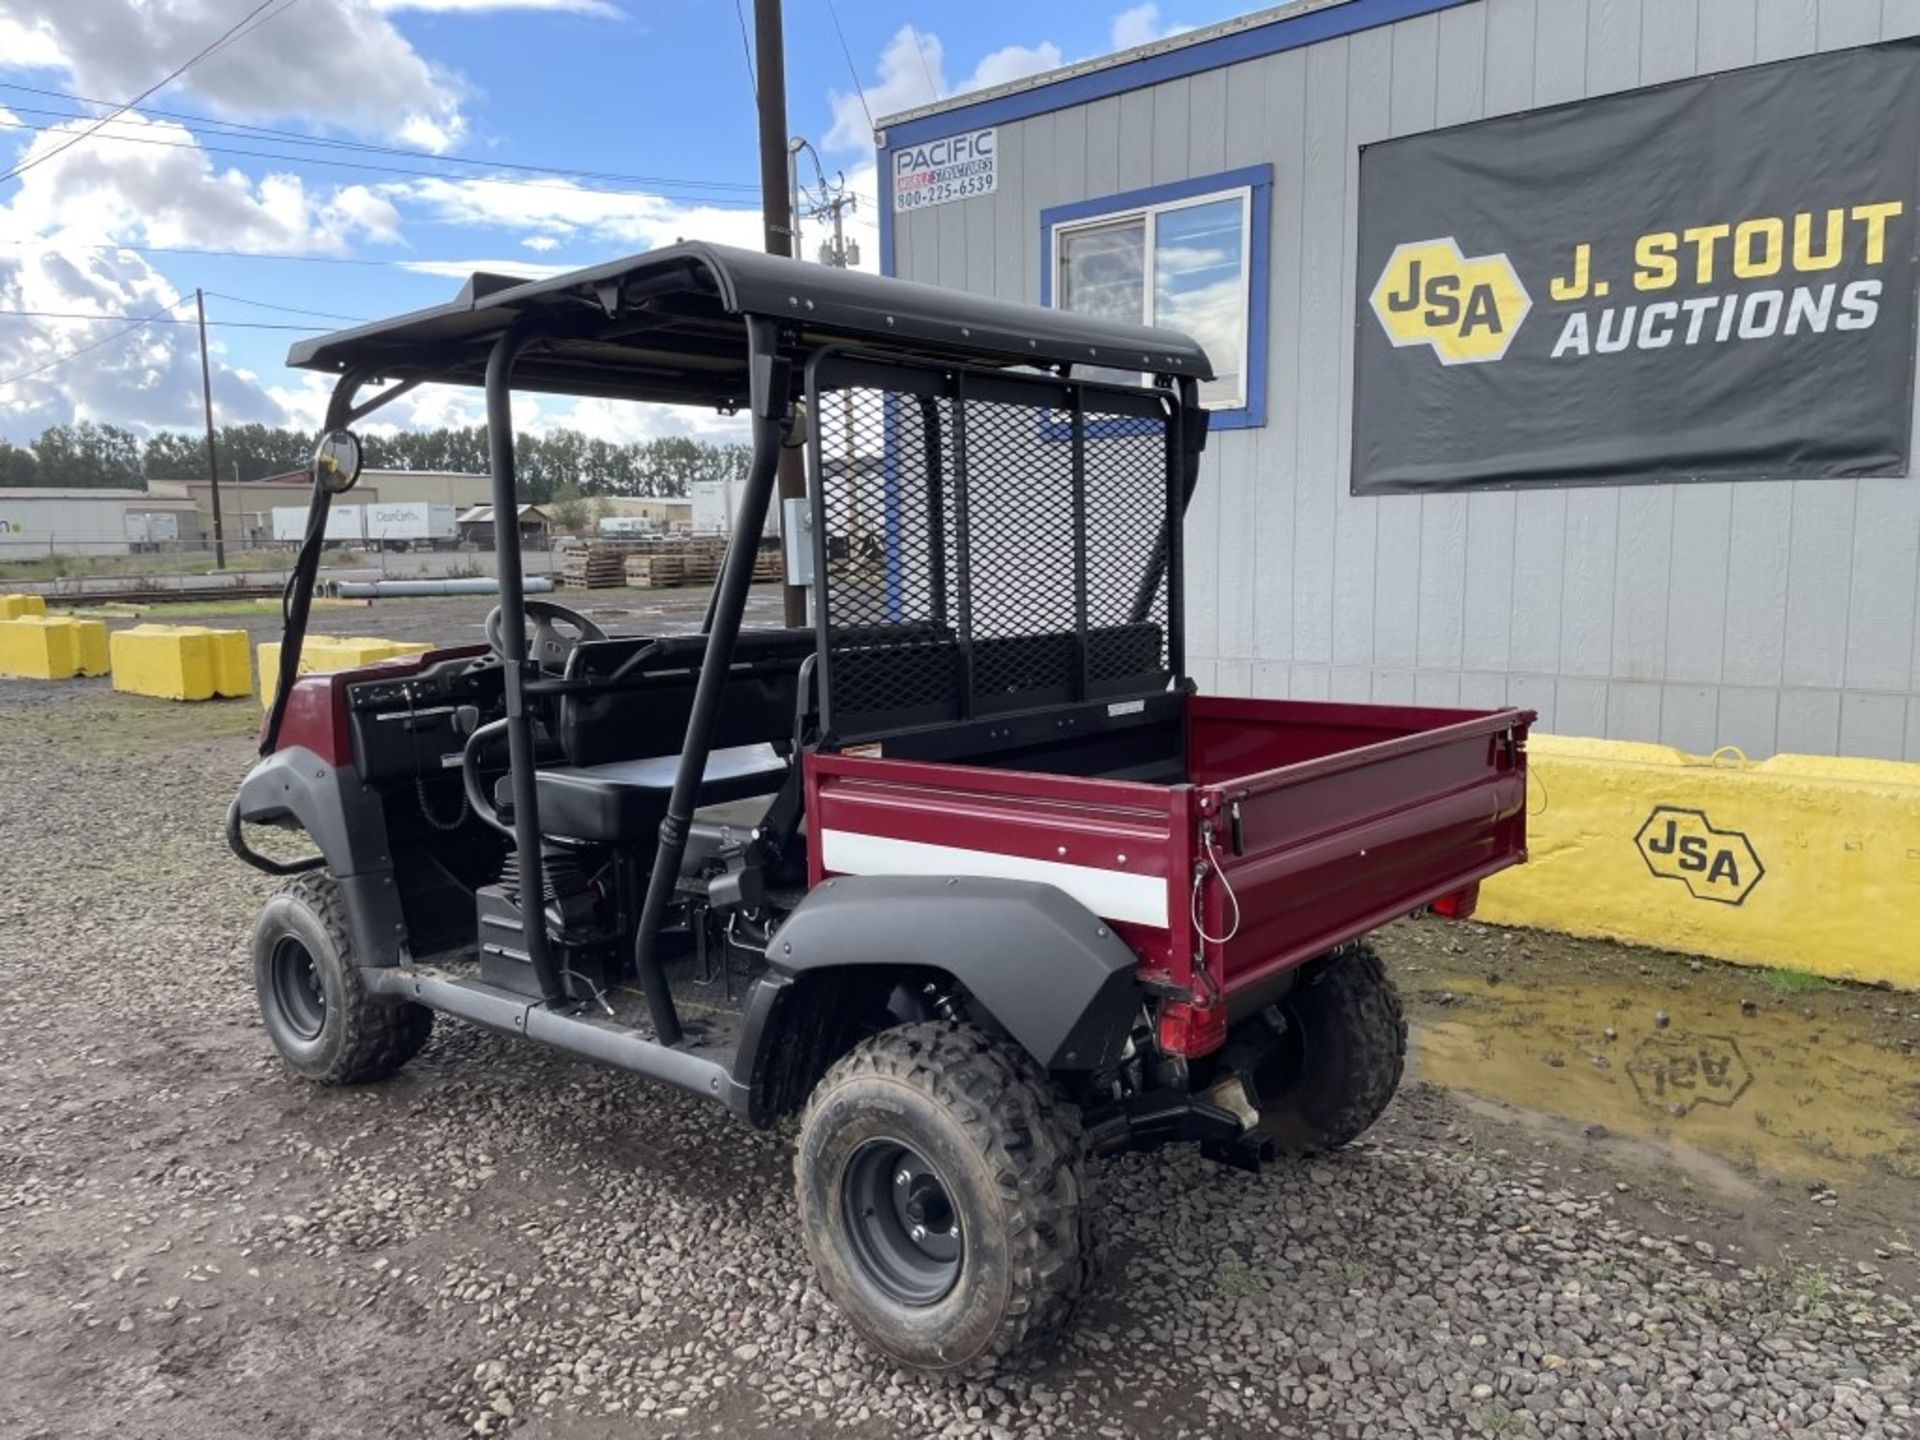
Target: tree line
554 463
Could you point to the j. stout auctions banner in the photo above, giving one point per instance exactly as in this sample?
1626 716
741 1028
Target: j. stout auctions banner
1707 279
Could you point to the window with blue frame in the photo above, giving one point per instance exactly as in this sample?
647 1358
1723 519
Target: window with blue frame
1191 256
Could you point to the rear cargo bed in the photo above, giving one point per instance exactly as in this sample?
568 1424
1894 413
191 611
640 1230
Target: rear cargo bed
1298 826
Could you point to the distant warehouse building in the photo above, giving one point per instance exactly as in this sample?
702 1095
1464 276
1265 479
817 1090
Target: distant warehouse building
39 521
1549 371
247 506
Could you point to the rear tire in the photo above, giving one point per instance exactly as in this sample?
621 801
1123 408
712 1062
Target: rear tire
944 1197
1349 1040
315 1008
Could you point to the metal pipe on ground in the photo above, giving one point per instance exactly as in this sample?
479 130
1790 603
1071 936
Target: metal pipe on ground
391 589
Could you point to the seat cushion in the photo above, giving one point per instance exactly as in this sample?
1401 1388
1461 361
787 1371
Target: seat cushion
626 799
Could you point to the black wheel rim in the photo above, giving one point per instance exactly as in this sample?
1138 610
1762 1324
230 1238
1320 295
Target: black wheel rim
900 1219
297 990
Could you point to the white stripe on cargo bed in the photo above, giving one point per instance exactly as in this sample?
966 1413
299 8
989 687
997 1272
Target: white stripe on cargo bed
1110 894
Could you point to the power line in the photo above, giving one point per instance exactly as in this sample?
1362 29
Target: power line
852 70
249 28
138 324
746 50
290 309
214 254
153 319
230 33
366 165
920 48
237 129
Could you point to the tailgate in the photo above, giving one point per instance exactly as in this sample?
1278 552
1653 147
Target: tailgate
1384 811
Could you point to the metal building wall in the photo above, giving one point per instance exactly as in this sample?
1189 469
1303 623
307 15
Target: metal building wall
1774 616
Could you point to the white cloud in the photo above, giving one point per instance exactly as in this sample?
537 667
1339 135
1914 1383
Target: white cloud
142 378
460 269
561 210
111 189
1142 26
541 243
1013 62
475 7
913 73
331 62
29 43
115 186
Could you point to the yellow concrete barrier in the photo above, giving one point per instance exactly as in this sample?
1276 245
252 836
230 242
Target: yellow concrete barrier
1801 862
13 607
57 647
324 654
181 662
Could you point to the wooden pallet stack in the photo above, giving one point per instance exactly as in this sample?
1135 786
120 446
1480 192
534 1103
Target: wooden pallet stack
658 567
658 564
593 568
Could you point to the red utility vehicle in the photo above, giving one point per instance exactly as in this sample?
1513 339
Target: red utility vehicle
965 871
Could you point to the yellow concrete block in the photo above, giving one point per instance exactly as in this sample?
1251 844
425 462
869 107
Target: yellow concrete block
232 665
13 607
181 662
1801 862
30 649
325 654
56 647
91 654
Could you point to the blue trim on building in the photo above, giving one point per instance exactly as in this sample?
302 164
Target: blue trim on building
1285 34
1258 179
883 189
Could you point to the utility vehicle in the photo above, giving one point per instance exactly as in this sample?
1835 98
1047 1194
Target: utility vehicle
965 873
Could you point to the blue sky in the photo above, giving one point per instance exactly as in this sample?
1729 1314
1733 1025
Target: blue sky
656 91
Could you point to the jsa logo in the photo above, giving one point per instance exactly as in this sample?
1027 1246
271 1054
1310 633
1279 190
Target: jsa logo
1713 864
1468 310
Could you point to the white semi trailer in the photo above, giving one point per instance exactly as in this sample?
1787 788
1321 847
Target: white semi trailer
399 525
345 523
716 503
404 524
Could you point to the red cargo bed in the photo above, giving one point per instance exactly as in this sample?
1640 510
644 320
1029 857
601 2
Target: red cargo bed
1294 827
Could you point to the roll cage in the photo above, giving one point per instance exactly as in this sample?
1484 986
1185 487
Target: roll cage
972 565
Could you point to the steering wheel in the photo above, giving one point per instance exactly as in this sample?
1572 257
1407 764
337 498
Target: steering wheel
546 647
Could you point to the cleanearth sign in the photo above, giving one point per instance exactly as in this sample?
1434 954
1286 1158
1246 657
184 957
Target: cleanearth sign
1701 280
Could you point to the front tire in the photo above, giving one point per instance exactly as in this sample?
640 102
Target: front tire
312 1002
944 1197
1341 1057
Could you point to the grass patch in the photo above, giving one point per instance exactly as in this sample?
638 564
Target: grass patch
80 567
1498 1419
1234 1279
107 723
169 611
1800 1292
1794 982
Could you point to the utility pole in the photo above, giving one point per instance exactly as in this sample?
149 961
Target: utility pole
838 252
213 459
777 215
841 254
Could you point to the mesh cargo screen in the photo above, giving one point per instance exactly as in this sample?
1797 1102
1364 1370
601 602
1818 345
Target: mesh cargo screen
991 545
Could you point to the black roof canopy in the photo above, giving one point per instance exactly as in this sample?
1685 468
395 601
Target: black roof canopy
670 325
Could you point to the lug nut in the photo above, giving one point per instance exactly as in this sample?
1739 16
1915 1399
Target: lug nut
904 1177
919 1232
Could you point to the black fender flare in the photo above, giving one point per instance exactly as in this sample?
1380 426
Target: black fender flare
295 789
1049 971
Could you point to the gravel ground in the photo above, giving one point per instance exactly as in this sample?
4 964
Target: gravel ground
507 1240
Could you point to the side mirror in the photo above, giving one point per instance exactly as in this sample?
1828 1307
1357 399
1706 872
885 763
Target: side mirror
336 461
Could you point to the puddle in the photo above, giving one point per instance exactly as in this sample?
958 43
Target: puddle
1761 1086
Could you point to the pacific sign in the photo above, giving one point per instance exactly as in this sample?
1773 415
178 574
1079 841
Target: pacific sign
958 167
